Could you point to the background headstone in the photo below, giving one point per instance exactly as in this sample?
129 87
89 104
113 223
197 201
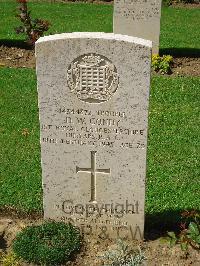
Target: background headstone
93 104
139 18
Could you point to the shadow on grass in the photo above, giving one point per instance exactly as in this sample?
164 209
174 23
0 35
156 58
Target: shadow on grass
14 213
176 52
180 52
158 224
15 43
3 244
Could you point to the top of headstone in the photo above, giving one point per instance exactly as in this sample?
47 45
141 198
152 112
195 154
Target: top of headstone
96 35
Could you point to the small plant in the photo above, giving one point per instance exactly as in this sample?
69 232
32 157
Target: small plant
123 255
162 64
189 231
33 28
9 259
47 244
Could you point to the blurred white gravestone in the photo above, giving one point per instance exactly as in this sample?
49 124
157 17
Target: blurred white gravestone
93 104
139 18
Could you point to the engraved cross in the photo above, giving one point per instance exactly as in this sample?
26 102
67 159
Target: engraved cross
93 171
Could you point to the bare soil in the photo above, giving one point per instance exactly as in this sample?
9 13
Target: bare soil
173 4
20 57
187 5
157 252
185 66
16 57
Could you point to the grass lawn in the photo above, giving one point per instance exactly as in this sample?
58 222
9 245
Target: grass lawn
173 151
20 174
179 30
173 154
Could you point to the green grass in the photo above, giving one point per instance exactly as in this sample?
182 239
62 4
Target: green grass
20 174
173 154
179 26
179 31
63 17
173 151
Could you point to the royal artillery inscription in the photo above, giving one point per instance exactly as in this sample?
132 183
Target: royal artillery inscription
93 102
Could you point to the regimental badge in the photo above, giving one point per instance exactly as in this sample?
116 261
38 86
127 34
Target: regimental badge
93 78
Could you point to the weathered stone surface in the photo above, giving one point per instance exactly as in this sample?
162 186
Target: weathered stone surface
93 104
139 18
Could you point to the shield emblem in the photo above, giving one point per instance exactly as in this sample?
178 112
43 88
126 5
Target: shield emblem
93 78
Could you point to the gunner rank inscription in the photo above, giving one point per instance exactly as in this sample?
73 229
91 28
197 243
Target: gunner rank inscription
93 91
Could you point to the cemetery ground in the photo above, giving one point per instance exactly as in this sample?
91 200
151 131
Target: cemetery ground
173 149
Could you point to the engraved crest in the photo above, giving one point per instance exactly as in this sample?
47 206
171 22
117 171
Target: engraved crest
93 78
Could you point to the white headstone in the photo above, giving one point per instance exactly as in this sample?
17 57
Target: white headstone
139 18
93 104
